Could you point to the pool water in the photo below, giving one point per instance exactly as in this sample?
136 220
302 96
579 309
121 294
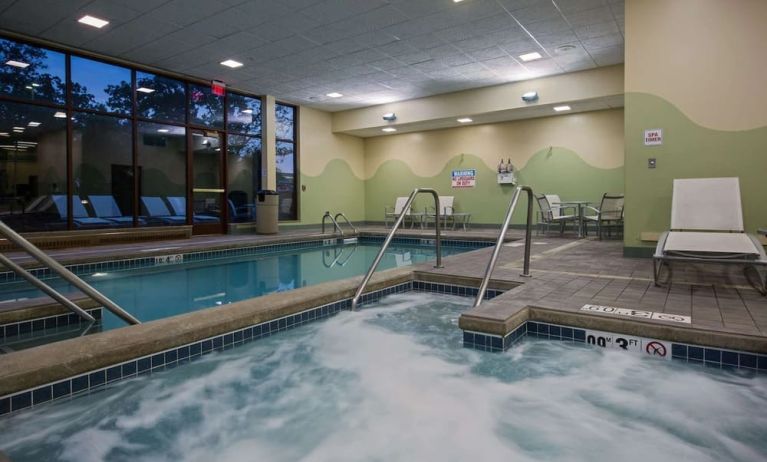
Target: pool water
160 292
393 383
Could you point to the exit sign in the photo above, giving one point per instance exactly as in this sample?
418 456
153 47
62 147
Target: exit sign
218 87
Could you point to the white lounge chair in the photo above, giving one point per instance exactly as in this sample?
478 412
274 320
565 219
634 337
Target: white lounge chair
445 211
707 226
552 214
393 213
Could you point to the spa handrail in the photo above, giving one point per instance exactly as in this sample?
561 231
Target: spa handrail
335 224
499 242
64 273
400 218
341 214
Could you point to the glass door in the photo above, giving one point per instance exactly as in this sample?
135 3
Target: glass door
207 206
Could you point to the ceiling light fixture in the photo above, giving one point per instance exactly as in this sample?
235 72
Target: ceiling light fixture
19 64
163 130
231 63
34 124
4 134
562 108
60 115
530 56
93 21
464 120
145 90
247 111
389 129
334 94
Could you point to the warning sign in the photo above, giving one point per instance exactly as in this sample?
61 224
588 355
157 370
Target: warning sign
653 137
464 178
651 347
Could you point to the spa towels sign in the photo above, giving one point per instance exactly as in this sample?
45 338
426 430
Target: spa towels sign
466 178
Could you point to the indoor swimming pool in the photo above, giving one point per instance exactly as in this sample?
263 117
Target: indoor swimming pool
166 290
392 382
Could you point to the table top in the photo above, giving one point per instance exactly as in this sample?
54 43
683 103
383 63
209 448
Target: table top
574 202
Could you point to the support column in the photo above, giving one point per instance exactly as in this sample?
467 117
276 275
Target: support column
269 144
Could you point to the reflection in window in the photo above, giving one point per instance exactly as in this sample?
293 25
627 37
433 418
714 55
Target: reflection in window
285 122
32 72
205 108
162 174
100 86
33 169
244 114
102 165
286 161
244 176
160 98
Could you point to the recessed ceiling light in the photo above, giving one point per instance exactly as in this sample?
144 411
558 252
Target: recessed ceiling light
18 129
231 63
530 56
93 21
389 129
163 130
464 120
20 64
247 111
4 134
60 115
34 124
145 90
562 108
35 84
29 87
334 94
457 1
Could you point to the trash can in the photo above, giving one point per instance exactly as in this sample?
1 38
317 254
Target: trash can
267 211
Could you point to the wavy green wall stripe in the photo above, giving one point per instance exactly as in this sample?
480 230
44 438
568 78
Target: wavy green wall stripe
553 170
688 151
336 189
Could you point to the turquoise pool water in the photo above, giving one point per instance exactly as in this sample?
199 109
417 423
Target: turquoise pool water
160 292
393 383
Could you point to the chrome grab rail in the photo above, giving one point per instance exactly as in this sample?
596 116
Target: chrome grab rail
340 214
335 224
499 242
400 218
337 257
64 273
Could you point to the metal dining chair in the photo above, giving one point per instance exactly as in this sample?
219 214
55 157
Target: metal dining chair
609 214
552 215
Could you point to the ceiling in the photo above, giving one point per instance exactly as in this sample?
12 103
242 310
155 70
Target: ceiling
371 51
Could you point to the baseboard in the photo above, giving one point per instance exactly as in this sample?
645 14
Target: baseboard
638 252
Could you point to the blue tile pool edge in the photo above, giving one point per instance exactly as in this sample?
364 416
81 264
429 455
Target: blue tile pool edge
708 356
96 379
37 325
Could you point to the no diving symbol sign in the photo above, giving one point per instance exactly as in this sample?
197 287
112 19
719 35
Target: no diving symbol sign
655 349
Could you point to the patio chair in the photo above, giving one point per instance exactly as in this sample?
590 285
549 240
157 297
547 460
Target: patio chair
552 215
158 212
393 213
445 210
80 217
608 215
178 206
707 227
106 207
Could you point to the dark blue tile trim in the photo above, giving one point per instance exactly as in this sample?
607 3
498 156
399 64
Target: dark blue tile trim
170 358
30 327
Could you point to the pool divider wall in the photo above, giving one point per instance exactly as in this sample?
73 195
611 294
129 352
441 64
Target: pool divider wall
39 375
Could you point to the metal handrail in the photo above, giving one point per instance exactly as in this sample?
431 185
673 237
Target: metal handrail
65 274
337 257
386 243
340 214
335 224
499 242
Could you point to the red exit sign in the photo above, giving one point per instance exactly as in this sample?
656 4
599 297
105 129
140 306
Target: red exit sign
218 87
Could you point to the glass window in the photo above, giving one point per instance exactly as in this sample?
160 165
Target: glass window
102 164
162 174
244 175
32 72
285 122
33 160
205 108
244 114
101 86
160 98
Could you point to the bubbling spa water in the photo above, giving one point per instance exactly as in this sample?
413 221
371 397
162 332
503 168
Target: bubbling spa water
393 383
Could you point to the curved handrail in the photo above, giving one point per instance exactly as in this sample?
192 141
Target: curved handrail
340 214
499 242
337 257
390 236
335 224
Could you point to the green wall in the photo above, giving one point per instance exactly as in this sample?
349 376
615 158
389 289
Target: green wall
688 151
336 189
552 170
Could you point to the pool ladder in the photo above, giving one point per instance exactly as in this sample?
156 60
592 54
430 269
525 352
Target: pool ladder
499 242
390 236
64 273
334 220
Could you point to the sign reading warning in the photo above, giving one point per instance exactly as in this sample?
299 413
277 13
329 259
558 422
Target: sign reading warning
464 178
